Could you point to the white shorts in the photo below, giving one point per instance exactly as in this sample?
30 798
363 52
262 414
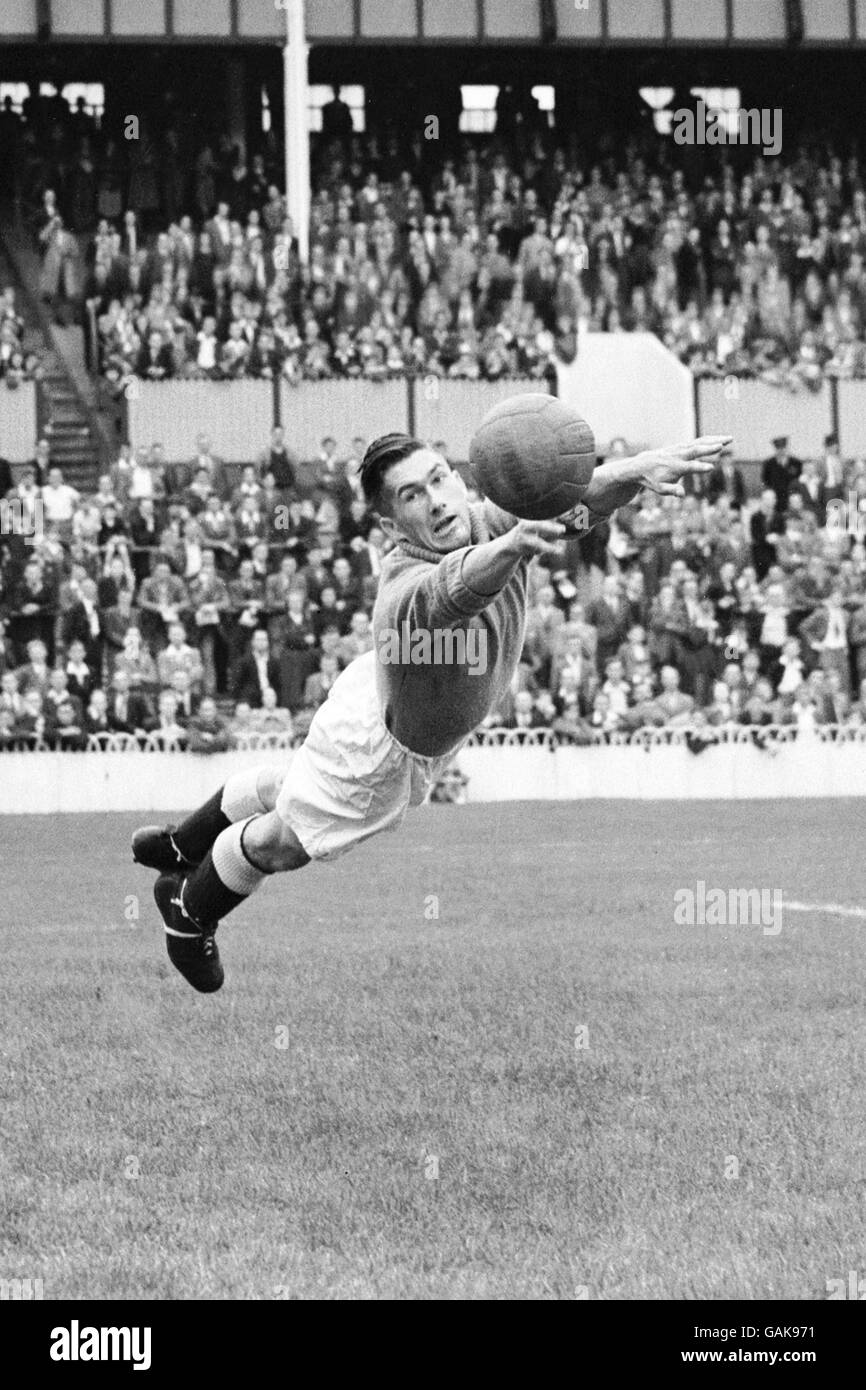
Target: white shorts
351 778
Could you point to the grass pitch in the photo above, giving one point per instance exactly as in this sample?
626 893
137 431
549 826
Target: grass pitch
549 1090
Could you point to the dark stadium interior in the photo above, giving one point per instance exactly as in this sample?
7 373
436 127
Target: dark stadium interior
597 90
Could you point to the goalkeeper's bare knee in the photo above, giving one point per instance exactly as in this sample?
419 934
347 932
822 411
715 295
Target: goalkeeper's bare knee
273 846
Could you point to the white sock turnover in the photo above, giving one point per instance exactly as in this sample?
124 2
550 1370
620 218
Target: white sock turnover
232 865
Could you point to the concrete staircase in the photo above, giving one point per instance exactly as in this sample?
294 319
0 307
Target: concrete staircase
79 439
68 427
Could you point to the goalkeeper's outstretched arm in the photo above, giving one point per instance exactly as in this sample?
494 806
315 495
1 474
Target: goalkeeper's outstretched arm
616 482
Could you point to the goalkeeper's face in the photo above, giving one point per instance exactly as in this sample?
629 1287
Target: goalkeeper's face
425 502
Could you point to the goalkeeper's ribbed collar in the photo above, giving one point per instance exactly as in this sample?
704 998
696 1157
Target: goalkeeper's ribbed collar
478 533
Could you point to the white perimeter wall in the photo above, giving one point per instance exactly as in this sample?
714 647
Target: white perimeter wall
55 782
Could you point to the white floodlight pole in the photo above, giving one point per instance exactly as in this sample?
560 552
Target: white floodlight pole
296 135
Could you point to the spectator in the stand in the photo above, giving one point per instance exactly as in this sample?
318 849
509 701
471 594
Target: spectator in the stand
30 725
64 730
162 598
721 711
750 673
204 458
179 655
82 623
838 698
758 709
818 692
726 480
61 283
544 621
57 694
195 497
524 717
35 673
811 489
281 463
293 637
129 710
329 612
144 536
826 631
187 703
605 720
833 470
168 732
774 630
59 502
271 718
218 532
155 361
81 677
207 731
792 667
781 471
248 490
260 559
257 671
136 662
766 525
337 124
634 654
240 725
675 705
10 697
29 484
290 626
33 608
247 589
146 483
96 717
668 626
210 602
616 688
117 574
117 621
368 555
573 658
699 644
570 724
609 617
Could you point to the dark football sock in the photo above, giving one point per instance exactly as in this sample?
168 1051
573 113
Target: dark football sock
225 877
194 836
205 897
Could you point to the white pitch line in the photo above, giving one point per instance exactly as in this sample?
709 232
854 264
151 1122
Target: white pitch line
834 909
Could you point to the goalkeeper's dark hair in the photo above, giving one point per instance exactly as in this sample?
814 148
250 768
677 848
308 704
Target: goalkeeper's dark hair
381 455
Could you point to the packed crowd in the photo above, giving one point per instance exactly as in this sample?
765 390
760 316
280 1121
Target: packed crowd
17 363
194 607
488 264
489 270
176 586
